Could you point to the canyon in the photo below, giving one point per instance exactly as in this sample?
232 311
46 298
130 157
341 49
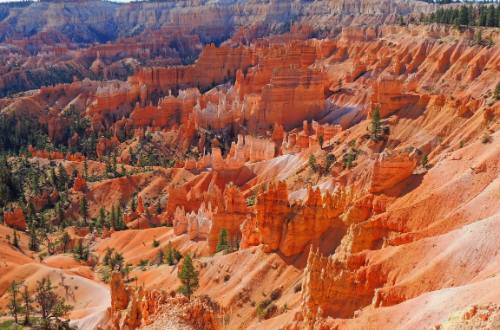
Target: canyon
315 164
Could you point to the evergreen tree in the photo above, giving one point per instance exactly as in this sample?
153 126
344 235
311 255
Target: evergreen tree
120 224
491 19
170 255
321 141
51 306
15 239
63 178
464 15
116 262
329 160
133 204
123 170
28 305
60 215
497 92
107 257
101 218
14 305
65 239
81 252
85 169
376 127
189 277
84 209
312 162
34 243
9 188
223 243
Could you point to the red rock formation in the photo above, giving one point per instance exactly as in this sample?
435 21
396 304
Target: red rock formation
388 96
80 184
207 223
333 288
290 228
15 219
136 308
390 169
213 66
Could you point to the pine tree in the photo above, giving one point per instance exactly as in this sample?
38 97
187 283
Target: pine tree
321 141
51 306
133 204
84 209
223 244
34 243
14 305
85 169
312 162
15 239
329 160
170 255
464 15
60 215
116 262
376 128
189 277
63 178
101 218
28 305
497 90
65 239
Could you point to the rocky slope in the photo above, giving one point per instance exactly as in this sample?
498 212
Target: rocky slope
349 181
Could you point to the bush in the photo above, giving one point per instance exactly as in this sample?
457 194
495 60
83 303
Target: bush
486 138
142 263
156 243
266 309
275 294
